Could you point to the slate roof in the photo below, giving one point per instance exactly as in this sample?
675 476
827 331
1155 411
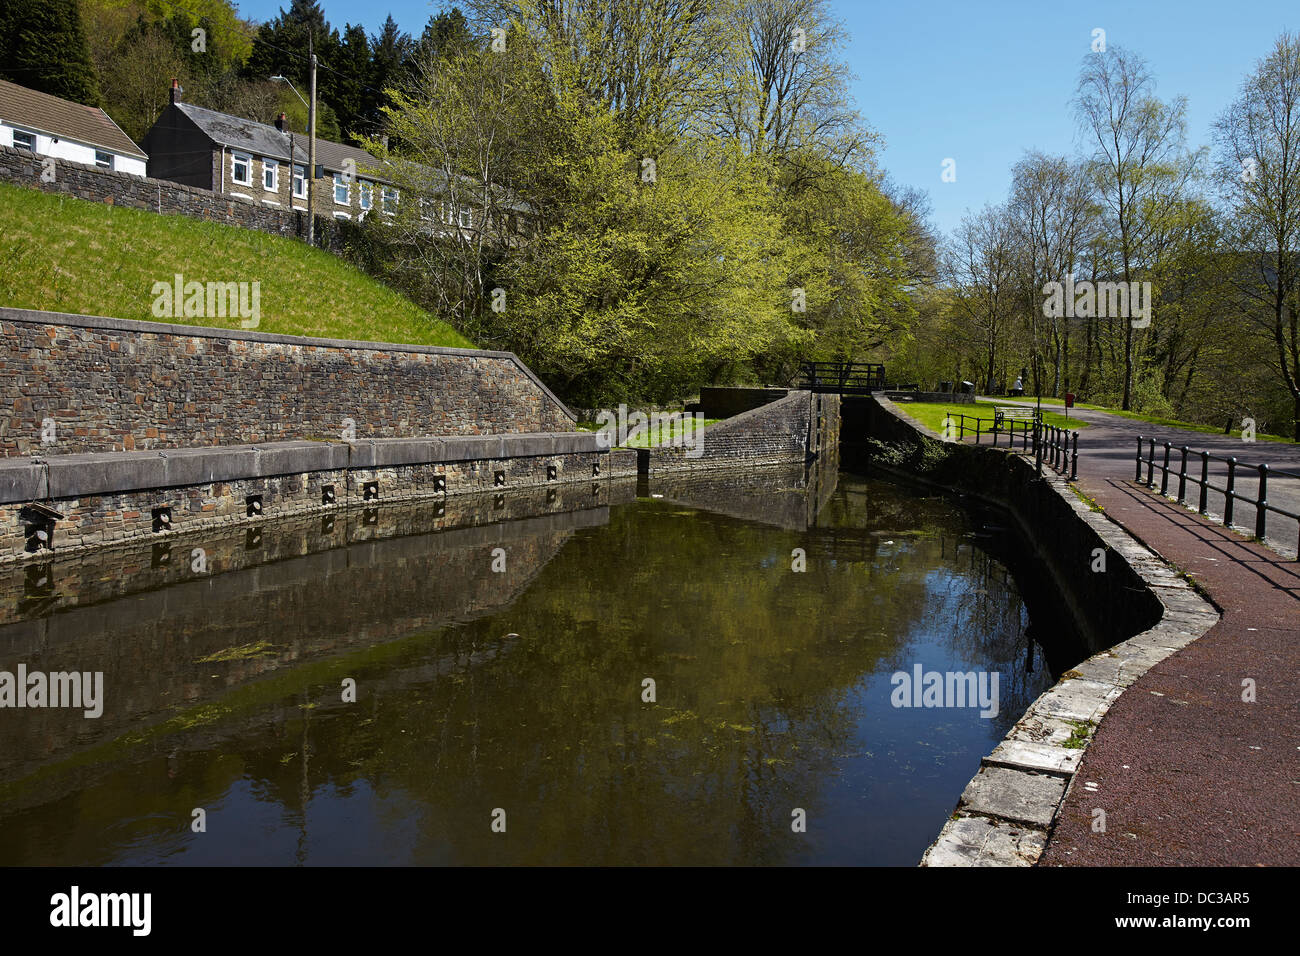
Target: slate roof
226 130
333 155
253 137
54 116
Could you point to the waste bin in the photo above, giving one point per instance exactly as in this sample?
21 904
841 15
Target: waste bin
968 388
945 386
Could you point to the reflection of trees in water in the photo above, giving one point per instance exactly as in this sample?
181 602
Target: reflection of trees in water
753 666
757 668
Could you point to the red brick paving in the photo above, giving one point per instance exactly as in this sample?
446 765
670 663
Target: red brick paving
1188 773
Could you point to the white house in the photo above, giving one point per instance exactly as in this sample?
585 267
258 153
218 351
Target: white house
49 126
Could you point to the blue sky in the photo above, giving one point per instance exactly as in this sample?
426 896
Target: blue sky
981 82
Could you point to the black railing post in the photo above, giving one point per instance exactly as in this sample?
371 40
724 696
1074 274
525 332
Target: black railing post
1038 448
1151 463
1204 504
1164 474
977 431
1074 458
1182 477
1261 504
1231 494
1138 475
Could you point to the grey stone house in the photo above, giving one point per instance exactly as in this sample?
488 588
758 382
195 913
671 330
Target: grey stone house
264 164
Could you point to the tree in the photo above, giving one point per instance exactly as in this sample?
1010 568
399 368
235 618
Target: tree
1137 165
981 266
283 47
782 91
1258 172
135 78
642 59
43 47
1054 211
352 66
389 53
621 280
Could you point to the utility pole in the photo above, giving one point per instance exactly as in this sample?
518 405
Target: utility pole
311 150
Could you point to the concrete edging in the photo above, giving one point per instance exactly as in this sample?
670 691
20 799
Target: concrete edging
86 475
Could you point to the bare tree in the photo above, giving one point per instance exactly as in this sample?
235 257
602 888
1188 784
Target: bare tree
782 90
980 263
1054 210
1258 171
1138 164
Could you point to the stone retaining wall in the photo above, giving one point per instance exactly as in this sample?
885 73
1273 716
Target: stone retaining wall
117 385
81 502
1137 610
792 429
19 167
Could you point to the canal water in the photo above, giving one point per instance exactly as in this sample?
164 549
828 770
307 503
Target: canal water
699 671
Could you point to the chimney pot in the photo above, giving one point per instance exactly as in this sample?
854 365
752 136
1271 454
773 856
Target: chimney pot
176 90
280 122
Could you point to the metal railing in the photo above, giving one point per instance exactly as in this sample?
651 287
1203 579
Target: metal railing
846 378
1229 490
1059 447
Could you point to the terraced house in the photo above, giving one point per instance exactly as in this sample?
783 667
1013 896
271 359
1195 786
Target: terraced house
50 126
261 163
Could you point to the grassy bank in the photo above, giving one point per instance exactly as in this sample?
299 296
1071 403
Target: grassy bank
932 414
1168 422
73 255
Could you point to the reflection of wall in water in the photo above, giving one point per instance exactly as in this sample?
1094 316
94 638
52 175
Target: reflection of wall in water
786 496
300 592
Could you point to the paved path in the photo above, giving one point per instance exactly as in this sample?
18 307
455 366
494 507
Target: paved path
1108 446
1187 772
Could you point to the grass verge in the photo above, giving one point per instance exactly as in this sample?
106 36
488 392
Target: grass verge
71 255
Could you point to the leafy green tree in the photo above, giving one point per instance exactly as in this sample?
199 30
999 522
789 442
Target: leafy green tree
43 47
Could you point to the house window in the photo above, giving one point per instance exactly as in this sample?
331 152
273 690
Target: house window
25 141
103 160
300 181
366 201
388 198
241 169
342 191
270 175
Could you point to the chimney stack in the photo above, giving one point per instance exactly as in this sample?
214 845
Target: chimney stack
176 90
281 122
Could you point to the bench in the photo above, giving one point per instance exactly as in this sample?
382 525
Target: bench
1017 412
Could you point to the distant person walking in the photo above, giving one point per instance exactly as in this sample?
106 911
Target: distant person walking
1018 388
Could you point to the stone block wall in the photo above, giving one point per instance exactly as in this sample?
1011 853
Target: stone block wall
118 385
794 428
21 168
82 502
1104 606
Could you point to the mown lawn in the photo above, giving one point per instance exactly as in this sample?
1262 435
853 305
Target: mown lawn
932 414
1168 422
73 255
674 430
